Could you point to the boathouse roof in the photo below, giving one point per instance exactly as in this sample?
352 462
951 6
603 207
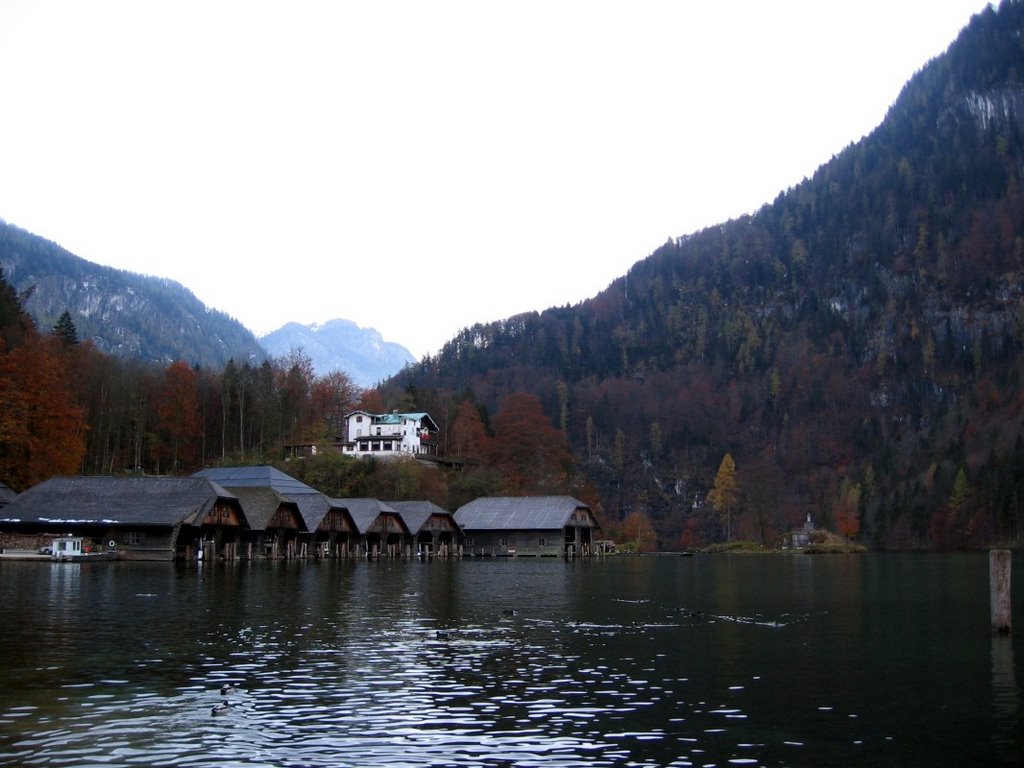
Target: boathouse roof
313 505
256 477
366 512
117 501
535 513
416 513
261 504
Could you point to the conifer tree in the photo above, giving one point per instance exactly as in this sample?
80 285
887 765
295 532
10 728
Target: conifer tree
65 329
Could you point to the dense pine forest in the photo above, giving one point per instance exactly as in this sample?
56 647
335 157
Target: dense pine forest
851 351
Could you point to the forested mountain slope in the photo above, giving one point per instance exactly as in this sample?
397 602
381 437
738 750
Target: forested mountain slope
855 345
125 314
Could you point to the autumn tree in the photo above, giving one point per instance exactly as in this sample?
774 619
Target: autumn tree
469 435
333 396
178 411
42 430
724 493
531 454
637 533
848 509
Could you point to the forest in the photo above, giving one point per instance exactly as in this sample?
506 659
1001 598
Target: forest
852 351
854 346
68 408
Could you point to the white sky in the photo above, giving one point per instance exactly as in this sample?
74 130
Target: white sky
418 167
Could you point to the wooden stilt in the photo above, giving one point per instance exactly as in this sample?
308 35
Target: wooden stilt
999 561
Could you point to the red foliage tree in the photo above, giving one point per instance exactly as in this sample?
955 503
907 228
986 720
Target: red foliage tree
178 411
531 454
42 431
469 436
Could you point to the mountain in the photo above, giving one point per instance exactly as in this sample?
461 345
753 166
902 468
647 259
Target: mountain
855 345
122 313
341 345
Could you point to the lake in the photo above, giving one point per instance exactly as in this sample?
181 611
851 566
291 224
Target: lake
725 660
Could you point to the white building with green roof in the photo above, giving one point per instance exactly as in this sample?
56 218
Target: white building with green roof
385 435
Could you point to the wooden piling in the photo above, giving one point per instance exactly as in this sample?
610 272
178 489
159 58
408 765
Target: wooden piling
999 589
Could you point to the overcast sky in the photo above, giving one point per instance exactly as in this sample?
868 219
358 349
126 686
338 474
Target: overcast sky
418 167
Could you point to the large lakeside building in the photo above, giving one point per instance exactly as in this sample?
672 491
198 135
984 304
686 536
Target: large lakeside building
260 512
389 434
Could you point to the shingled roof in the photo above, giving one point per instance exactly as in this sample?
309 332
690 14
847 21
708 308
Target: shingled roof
535 513
156 501
416 513
256 477
366 511
260 504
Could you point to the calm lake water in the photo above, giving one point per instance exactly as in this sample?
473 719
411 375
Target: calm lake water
884 659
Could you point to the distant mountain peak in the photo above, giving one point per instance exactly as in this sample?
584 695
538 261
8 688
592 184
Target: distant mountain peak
341 345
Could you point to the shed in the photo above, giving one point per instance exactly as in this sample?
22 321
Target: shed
527 525
433 528
146 518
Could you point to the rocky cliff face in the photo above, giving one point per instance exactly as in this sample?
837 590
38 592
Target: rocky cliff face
125 314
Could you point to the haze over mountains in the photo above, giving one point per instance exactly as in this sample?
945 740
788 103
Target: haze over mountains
341 345
153 319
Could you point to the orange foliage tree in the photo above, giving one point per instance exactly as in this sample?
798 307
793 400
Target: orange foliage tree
469 438
530 453
42 431
178 410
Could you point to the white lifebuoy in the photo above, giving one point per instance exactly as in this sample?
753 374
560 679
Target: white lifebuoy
111 543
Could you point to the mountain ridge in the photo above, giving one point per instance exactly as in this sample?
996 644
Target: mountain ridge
128 314
340 344
858 337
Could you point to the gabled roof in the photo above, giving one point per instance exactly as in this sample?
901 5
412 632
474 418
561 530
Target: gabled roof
163 501
535 513
313 505
260 504
396 418
366 511
416 513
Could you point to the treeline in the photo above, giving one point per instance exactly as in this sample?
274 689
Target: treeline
68 408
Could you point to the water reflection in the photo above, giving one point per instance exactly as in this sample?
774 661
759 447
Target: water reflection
659 661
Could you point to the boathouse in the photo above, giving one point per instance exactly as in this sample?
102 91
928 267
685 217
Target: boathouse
140 518
527 525
432 528
381 529
274 523
328 530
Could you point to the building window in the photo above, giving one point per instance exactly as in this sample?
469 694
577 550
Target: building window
359 419
542 542
503 542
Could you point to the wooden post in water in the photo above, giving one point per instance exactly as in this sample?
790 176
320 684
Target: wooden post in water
999 589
